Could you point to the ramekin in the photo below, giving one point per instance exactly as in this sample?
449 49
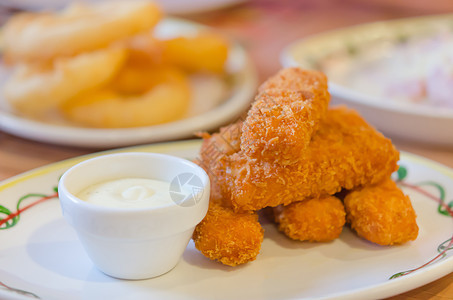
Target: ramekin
133 243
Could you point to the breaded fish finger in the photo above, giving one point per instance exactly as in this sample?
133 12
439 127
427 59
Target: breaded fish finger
284 116
345 152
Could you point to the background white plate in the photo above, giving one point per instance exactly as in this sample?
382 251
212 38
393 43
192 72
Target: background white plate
244 81
169 6
427 124
41 253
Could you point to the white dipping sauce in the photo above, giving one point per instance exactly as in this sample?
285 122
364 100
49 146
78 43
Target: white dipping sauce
128 193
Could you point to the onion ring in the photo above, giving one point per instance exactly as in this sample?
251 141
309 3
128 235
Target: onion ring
139 79
107 108
205 52
31 37
34 89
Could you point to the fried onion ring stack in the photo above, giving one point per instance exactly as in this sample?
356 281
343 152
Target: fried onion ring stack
99 65
79 28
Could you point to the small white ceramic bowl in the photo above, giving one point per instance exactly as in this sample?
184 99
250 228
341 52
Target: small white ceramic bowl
133 243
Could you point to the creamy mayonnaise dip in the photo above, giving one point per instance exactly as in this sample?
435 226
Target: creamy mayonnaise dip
128 193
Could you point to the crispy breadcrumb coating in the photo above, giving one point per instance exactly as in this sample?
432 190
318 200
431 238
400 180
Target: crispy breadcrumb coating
223 235
381 214
229 237
313 220
345 152
214 151
292 153
284 116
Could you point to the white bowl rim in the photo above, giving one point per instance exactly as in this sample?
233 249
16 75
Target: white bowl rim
337 90
84 205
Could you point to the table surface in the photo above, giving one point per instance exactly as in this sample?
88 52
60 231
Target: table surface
264 28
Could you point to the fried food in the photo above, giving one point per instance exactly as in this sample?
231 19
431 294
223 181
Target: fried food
229 237
314 220
204 52
101 65
214 152
326 152
163 102
32 37
334 160
216 148
224 235
33 89
285 115
381 214
135 80
145 50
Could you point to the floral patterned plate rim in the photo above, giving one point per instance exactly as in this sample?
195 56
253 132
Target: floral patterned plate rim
42 258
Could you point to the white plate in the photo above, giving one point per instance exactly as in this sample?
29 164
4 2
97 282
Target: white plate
428 124
41 253
243 86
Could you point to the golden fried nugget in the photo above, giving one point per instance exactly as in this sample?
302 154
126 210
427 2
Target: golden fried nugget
229 237
313 220
381 214
285 115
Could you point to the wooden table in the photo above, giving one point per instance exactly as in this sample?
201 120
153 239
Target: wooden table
265 27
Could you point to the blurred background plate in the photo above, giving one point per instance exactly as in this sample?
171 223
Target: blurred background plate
367 61
242 83
169 6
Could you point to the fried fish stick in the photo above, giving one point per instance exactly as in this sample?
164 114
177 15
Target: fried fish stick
225 142
214 151
314 220
345 152
229 237
381 214
284 116
223 235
